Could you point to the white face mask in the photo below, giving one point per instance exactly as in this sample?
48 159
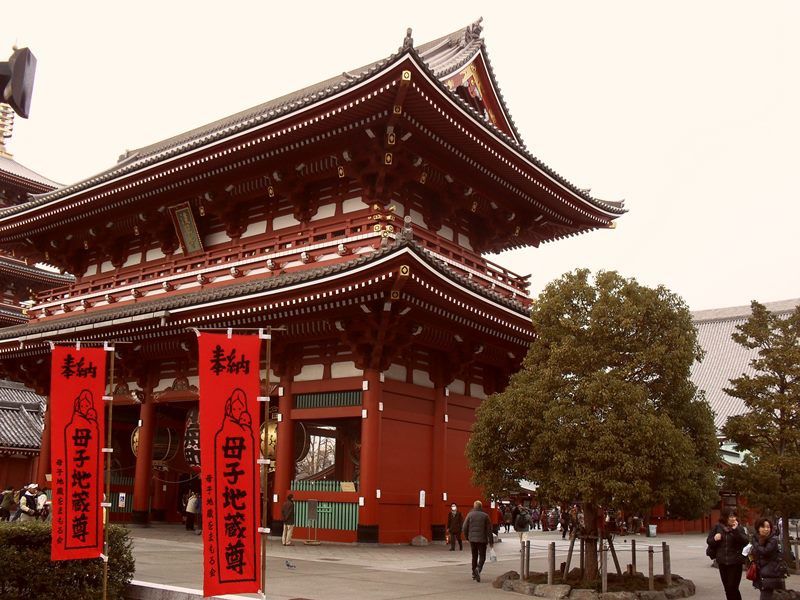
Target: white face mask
453 508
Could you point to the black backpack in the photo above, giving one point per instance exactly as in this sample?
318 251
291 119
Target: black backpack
523 520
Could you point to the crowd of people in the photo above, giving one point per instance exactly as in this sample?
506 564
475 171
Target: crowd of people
27 504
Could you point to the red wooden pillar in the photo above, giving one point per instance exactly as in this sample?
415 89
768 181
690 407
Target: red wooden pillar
284 453
369 460
144 460
43 467
439 504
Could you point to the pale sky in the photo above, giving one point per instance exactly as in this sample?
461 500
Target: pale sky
687 110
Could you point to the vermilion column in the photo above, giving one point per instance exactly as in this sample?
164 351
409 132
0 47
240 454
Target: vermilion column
144 461
368 462
284 453
43 466
439 506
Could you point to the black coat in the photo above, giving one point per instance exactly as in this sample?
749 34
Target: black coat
729 548
455 522
768 557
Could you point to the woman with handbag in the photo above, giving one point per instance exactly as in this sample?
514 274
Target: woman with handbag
768 560
728 538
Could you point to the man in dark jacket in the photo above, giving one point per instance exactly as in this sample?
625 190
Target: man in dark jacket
455 521
287 514
478 531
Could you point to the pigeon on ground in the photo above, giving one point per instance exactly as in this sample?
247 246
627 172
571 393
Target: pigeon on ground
290 565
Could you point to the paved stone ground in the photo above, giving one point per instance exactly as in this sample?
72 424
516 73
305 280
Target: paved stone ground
172 556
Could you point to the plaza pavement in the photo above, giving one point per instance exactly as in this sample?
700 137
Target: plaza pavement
169 555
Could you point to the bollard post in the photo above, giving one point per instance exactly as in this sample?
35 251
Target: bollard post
651 582
666 560
527 558
604 566
522 560
583 557
797 553
633 555
551 562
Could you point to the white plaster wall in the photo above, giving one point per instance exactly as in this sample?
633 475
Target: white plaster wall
416 218
396 373
399 209
323 212
457 387
154 254
106 267
255 228
446 232
92 270
476 391
463 241
310 373
422 378
352 205
133 259
284 221
345 369
216 238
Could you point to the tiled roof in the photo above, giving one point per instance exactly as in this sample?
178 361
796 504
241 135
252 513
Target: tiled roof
252 287
439 58
21 423
725 359
18 267
12 167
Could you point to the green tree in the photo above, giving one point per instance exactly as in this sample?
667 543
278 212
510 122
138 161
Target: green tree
603 410
770 430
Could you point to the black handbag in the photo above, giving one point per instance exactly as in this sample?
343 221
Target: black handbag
769 584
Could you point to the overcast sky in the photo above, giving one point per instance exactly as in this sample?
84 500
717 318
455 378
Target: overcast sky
687 110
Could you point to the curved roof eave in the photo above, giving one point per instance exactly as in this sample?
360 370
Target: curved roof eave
289 104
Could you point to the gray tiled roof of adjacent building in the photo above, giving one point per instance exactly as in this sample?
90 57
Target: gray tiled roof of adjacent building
21 423
725 359
12 167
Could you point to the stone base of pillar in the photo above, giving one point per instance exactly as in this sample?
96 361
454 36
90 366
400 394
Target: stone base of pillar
367 534
437 532
158 514
141 517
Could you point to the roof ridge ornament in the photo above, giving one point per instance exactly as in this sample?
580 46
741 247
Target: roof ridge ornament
473 31
408 42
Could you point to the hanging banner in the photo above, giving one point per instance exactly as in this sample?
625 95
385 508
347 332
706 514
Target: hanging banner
230 495
77 430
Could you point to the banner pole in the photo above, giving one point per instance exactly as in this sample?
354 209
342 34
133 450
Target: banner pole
107 495
265 466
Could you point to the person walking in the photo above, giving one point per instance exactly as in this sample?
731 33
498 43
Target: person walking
455 521
29 503
535 518
7 503
522 524
192 508
478 531
767 556
508 518
728 538
287 514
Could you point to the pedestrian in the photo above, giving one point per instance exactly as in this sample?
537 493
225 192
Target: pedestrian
728 538
455 521
564 522
508 518
192 508
287 514
29 503
766 550
7 503
523 523
478 531
535 518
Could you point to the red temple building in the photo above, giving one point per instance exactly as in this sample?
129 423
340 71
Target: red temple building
352 217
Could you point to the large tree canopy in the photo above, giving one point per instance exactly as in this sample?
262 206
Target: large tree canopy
770 430
603 409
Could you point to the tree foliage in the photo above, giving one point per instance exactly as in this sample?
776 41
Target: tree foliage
770 430
603 410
